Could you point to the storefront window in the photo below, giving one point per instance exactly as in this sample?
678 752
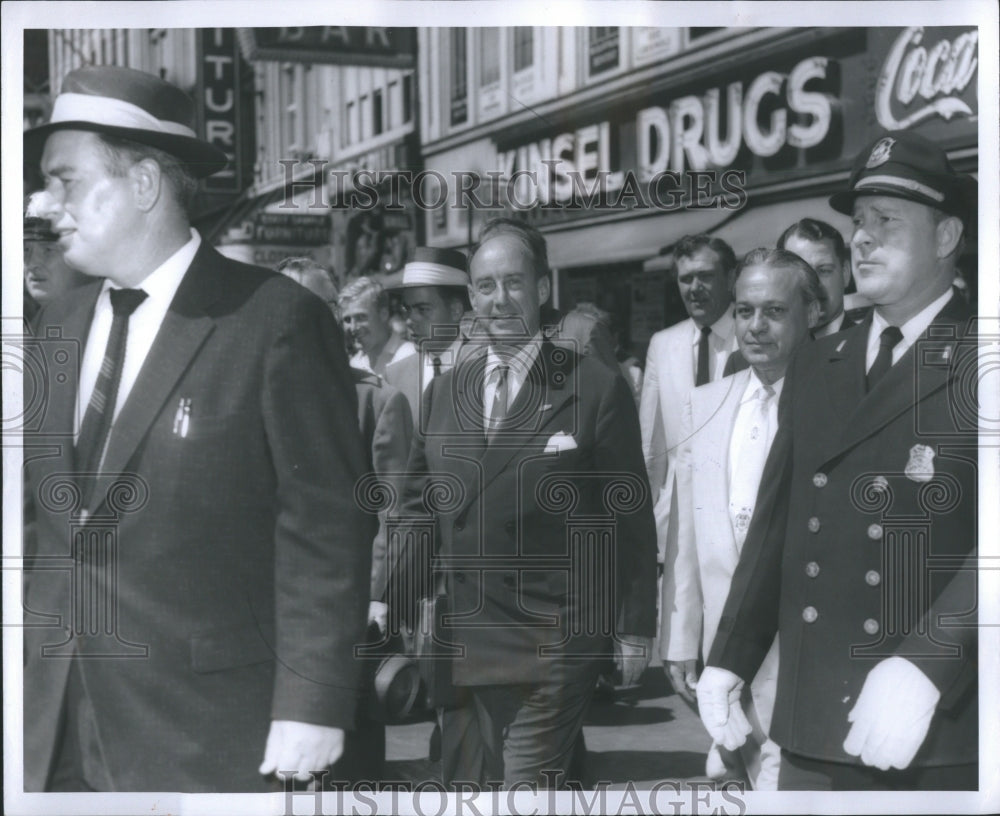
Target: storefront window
523 47
377 123
489 53
459 77
605 50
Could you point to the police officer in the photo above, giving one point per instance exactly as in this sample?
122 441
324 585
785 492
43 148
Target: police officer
870 488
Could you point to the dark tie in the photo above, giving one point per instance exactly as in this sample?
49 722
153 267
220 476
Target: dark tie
436 363
499 410
702 376
887 341
101 409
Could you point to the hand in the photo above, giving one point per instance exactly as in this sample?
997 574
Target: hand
301 747
378 613
632 654
719 707
683 677
892 714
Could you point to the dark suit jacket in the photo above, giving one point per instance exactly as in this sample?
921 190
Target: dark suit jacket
242 570
511 518
386 427
846 490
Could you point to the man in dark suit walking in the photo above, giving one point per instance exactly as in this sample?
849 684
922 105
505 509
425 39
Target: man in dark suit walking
547 543
861 552
200 480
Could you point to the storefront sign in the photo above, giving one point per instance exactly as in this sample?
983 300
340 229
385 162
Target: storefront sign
336 45
219 103
287 228
928 74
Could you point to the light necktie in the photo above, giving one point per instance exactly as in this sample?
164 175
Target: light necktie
701 376
96 424
498 411
748 470
887 341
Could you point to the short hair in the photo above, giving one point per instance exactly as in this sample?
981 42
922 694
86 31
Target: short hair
687 246
532 239
297 267
809 286
365 287
812 229
121 154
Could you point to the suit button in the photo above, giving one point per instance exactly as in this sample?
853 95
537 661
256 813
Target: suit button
814 525
871 626
872 578
875 532
812 569
820 480
809 614
508 581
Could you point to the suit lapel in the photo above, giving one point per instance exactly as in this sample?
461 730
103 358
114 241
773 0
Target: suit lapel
183 331
909 381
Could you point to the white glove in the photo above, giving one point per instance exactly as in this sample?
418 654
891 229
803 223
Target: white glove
719 692
378 613
892 714
301 747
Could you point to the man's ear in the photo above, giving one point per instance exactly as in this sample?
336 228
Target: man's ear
544 288
813 312
845 268
949 235
147 183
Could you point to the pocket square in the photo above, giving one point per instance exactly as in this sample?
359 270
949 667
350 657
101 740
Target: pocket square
560 442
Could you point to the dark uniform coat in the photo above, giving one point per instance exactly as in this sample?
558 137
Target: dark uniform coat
862 543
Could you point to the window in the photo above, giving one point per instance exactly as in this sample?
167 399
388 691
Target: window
289 118
377 124
489 52
394 114
407 97
459 76
366 117
351 123
523 52
604 49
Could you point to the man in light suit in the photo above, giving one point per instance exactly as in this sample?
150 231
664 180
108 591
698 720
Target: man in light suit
199 482
364 311
693 352
535 446
862 550
435 290
726 429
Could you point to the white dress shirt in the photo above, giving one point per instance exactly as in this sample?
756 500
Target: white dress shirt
395 348
519 363
160 287
911 329
832 327
720 344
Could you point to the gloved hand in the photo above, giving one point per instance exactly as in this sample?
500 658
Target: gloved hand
719 692
892 714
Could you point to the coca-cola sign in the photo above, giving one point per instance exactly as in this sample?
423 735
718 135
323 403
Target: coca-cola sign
928 74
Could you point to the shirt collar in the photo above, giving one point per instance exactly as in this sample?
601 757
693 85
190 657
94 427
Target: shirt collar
163 281
754 383
912 328
722 328
520 362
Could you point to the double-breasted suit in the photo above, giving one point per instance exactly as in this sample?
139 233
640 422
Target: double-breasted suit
863 541
241 575
707 554
534 595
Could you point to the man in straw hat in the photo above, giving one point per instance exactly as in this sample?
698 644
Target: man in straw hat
860 553
435 299
219 394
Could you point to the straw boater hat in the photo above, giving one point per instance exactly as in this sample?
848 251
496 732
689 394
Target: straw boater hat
905 165
434 267
132 105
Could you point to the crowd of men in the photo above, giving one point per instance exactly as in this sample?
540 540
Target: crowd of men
495 491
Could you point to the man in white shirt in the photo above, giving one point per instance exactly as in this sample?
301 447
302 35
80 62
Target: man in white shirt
364 312
208 458
726 429
877 681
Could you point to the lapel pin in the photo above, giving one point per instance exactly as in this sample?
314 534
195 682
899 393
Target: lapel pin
182 418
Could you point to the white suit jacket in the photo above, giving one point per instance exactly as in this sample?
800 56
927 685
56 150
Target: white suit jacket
707 554
668 379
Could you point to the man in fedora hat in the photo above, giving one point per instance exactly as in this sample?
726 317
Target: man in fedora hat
220 395
435 299
861 551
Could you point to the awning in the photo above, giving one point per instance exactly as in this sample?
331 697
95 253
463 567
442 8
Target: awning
640 239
